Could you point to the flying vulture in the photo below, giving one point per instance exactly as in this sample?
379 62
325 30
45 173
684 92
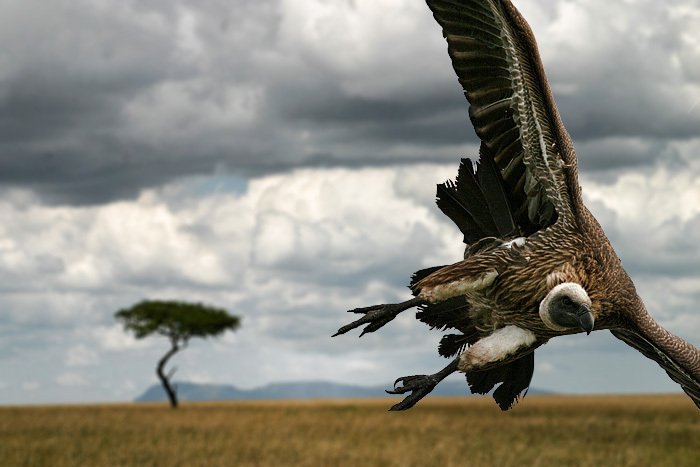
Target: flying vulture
537 264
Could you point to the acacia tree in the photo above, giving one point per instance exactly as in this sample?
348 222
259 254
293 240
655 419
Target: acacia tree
178 321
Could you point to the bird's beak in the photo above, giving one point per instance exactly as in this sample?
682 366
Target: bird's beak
585 319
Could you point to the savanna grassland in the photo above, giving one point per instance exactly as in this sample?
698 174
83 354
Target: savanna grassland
542 430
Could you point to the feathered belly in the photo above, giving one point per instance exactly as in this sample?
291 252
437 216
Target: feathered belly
489 316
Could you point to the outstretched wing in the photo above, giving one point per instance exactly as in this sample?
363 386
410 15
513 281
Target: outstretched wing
677 373
495 56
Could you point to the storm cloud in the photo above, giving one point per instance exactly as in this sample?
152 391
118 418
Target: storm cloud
279 158
99 100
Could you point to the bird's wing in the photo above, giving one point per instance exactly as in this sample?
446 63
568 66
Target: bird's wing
495 56
677 373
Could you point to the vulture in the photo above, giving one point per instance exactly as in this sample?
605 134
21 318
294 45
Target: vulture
537 264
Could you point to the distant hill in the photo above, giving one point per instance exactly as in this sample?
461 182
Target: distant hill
291 390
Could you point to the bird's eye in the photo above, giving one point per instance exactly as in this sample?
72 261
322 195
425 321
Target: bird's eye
567 301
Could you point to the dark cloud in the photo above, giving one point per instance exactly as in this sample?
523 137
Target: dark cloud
100 101
669 250
239 114
609 154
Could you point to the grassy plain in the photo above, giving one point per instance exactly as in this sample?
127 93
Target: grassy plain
541 431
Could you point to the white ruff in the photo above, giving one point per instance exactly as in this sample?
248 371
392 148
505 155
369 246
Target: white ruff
574 291
496 347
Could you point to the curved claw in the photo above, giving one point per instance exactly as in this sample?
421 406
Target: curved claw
410 383
419 386
376 316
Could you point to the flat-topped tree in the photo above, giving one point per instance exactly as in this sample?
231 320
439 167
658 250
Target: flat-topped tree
178 321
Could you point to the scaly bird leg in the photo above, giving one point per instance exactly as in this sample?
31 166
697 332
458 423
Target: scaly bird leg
500 346
420 385
378 315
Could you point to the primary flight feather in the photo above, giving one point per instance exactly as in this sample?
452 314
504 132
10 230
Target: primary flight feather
537 263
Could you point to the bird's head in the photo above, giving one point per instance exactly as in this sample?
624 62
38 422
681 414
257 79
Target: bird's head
566 307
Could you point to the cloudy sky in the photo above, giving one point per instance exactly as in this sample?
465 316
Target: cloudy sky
278 158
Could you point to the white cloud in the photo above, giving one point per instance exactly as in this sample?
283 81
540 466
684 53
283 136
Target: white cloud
81 356
194 375
652 218
147 94
113 338
71 379
368 42
289 254
30 386
636 61
545 367
649 199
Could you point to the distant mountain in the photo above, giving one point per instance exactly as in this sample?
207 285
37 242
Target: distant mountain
291 390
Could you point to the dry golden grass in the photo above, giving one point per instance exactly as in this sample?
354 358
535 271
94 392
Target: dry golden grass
541 431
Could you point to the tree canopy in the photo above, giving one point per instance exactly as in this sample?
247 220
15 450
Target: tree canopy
177 320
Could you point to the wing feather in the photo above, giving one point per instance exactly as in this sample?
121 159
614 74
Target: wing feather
496 60
676 372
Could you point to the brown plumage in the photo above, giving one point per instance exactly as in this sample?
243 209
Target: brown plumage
537 264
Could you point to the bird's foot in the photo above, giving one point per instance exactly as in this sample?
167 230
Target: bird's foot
418 385
377 316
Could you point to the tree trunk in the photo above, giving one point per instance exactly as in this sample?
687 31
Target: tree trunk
169 390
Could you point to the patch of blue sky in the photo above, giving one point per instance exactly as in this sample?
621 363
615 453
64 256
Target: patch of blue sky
203 186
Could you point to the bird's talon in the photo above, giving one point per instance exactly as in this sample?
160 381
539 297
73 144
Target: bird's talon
376 316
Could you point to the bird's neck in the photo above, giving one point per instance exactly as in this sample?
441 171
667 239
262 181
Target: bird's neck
676 348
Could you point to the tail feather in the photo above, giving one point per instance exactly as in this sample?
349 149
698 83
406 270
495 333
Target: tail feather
515 378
